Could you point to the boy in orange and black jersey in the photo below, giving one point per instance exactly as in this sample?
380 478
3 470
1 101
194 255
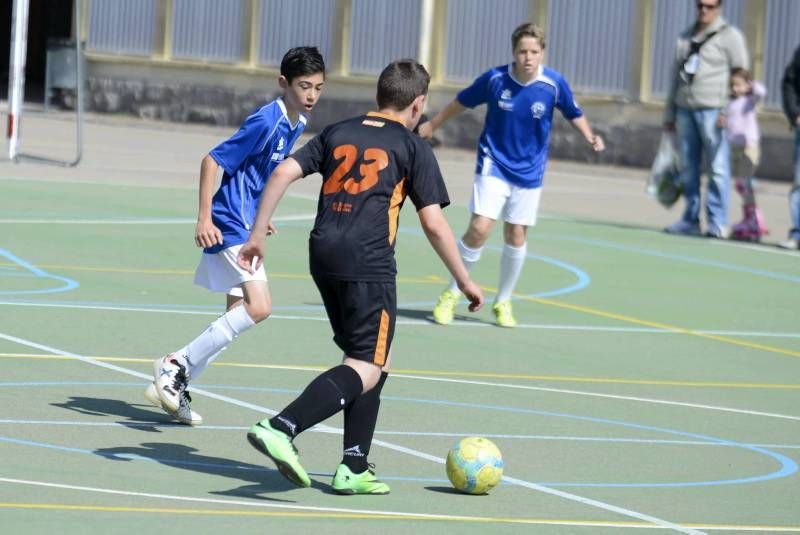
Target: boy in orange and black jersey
369 164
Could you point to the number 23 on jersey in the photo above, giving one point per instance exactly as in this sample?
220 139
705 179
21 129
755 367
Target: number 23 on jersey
374 160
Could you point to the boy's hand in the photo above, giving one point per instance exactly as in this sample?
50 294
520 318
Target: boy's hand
474 293
722 120
425 130
206 234
251 256
597 143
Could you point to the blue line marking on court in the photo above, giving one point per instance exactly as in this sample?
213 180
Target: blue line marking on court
787 465
68 284
680 258
584 280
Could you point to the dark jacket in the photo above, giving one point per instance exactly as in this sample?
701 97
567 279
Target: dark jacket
791 88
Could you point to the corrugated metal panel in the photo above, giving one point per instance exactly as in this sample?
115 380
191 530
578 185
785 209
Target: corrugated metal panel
590 43
289 23
670 18
122 26
782 37
479 35
382 31
208 29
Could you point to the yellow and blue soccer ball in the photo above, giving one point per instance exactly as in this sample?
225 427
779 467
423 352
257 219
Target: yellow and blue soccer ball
474 465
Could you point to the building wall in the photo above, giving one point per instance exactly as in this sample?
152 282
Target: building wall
618 49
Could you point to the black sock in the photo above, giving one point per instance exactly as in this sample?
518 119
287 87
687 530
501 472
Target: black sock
326 395
360 418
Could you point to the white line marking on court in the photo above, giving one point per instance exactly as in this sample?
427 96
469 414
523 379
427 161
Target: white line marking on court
552 438
154 221
396 447
379 513
599 395
456 323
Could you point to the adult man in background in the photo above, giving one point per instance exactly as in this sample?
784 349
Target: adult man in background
705 54
791 106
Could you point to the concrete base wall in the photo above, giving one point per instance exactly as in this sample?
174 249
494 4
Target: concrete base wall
631 131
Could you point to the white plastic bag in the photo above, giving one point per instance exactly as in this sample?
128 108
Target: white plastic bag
664 183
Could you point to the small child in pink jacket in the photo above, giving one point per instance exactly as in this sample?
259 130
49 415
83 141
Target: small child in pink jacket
744 139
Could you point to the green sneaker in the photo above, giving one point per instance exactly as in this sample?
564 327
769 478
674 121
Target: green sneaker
445 309
503 315
348 483
278 446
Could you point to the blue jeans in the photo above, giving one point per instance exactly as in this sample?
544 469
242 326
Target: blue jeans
794 196
699 136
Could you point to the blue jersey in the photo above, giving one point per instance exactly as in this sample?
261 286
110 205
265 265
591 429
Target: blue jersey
248 158
518 120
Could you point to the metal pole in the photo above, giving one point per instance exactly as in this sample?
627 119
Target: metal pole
16 73
79 89
80 82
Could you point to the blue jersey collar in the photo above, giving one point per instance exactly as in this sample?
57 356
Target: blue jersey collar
510 69
300 117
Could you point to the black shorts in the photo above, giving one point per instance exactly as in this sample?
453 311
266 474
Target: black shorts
362 315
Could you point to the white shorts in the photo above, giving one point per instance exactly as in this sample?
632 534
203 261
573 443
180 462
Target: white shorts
493 197
219 272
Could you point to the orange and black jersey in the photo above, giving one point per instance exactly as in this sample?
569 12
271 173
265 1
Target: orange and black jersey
369 164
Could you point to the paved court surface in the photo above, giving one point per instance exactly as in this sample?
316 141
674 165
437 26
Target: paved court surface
132 151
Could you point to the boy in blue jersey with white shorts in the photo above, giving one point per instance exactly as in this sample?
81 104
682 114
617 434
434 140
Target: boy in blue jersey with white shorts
224 222
512 155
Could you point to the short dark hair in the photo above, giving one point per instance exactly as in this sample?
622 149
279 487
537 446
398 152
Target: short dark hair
302 61
527 29
400 83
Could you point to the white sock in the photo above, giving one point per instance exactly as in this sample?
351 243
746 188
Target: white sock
197 369
511 263
211 342
470 257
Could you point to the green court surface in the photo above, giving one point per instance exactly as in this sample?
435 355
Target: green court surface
653 381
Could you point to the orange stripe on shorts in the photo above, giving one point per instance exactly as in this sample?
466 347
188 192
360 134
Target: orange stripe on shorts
383 335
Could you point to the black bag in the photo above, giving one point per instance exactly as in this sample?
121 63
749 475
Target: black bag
692 60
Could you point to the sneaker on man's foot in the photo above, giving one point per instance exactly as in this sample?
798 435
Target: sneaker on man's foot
184 414
278 446
445 309
348 483
683 228
719 233
503 314
791 243
170 378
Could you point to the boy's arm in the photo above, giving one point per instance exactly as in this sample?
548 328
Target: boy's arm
206 234
440 236
251 255
451 110
582 126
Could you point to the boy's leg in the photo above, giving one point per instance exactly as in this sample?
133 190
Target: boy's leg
354 476
362 315
217 272
255 307
521 212
489 195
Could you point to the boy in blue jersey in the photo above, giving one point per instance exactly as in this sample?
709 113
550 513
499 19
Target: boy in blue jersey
512 155
224 221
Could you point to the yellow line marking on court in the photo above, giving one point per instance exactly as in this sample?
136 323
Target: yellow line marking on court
435 373
147 271
435 280
652 324
383 516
